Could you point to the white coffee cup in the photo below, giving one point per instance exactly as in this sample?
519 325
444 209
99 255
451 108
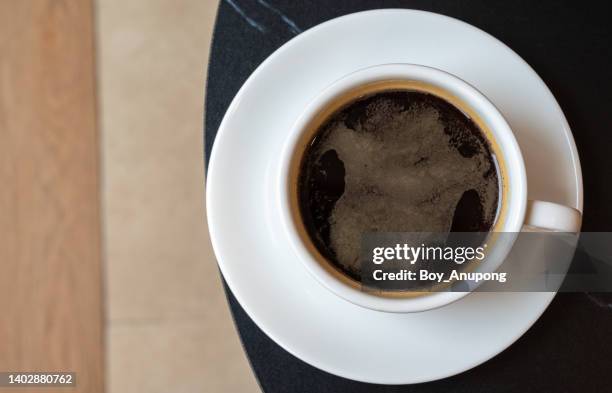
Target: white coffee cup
516 209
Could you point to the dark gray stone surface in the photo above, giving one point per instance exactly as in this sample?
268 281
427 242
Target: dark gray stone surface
567 43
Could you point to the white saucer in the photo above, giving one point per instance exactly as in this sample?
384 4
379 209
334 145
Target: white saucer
273 286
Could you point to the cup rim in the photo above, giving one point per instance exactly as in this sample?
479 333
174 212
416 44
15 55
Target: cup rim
517 184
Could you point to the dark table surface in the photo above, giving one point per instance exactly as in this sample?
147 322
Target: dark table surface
569 349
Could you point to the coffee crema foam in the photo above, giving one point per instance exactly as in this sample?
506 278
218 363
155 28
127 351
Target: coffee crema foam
395 161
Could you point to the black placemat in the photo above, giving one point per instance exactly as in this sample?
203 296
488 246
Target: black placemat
568 349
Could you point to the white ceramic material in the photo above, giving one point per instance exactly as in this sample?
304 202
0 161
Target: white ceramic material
255 256
515 202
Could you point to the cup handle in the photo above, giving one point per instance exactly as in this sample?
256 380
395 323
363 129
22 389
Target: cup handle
548 216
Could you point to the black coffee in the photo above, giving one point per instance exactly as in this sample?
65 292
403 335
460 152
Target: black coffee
395 161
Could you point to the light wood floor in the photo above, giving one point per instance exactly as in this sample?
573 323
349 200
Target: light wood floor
106 267
168 325
50 249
